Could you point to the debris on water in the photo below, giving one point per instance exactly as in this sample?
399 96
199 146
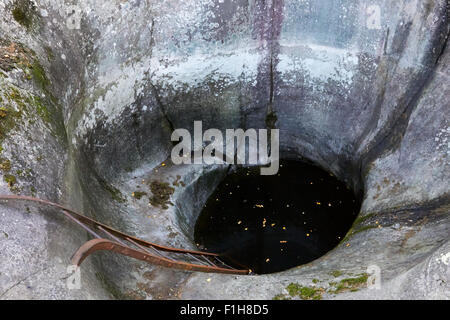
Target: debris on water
253 202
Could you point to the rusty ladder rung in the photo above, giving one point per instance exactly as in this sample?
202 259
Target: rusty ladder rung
196 259
112 236
146 249
224 263
81 224
119 244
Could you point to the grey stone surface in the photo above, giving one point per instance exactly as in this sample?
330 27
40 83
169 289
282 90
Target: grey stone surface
365 98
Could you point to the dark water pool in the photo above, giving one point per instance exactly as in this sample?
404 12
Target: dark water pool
273 223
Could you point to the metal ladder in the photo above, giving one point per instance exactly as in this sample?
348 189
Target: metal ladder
107 238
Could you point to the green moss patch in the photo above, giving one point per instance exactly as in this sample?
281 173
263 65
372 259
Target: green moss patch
161 193
5 165
336 273
21 17
357 228
8 114
361 219
305 293
114 192
138 194
349 284
10 180
3 112
23 12
39 76
14 55
281 297
16 102
42 110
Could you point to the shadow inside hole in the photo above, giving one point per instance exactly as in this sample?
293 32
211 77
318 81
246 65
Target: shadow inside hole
273 223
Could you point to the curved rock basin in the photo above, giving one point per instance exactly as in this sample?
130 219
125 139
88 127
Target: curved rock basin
360 88
271 223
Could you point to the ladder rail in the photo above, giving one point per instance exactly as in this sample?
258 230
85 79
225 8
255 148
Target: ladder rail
119 244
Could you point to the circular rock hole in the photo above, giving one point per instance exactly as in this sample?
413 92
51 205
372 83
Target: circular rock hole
273 223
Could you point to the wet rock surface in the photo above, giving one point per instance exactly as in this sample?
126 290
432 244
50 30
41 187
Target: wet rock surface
89 104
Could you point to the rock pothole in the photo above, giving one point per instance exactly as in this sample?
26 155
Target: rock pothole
87 112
